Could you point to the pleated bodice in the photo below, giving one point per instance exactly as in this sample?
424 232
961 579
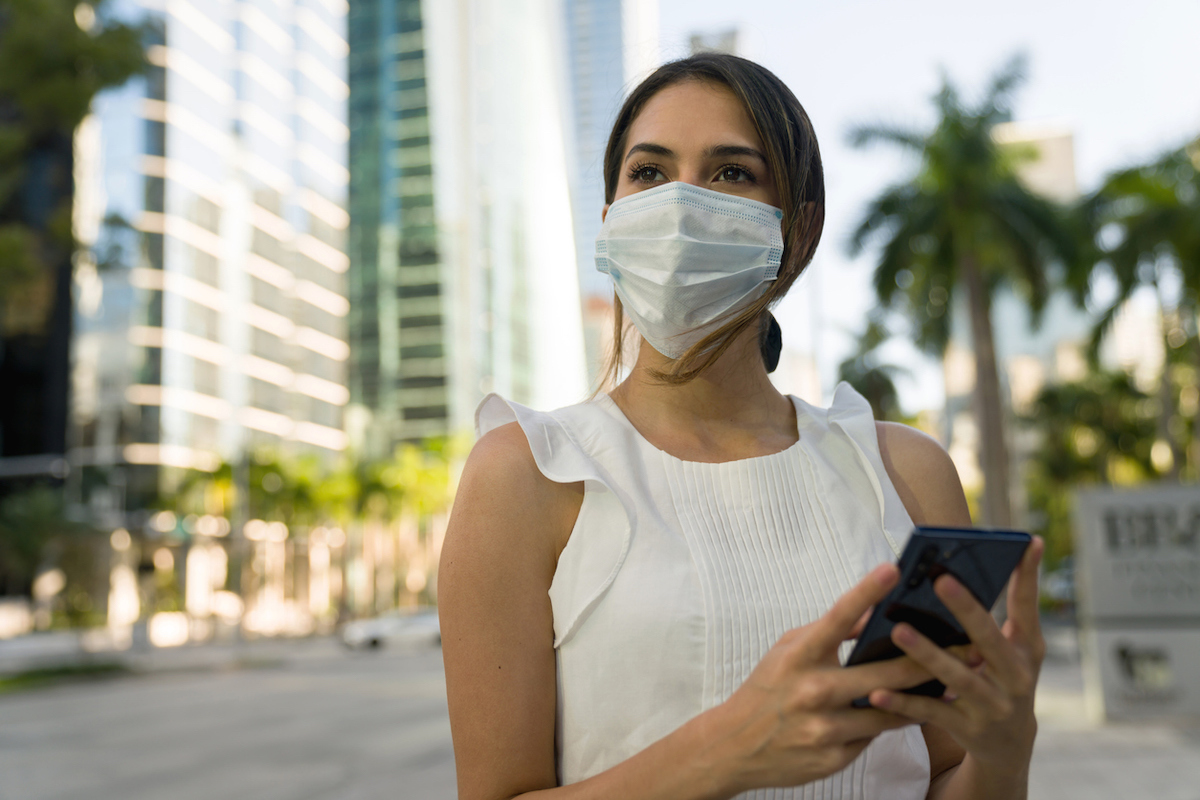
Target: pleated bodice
679 576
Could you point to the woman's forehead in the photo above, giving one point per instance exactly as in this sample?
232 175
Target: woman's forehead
693 115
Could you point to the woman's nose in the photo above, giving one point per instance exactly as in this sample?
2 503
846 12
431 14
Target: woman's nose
693 176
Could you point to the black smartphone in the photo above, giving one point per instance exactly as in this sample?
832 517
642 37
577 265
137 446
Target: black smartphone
981 560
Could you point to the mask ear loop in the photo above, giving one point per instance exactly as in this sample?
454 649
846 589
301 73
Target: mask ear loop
770 341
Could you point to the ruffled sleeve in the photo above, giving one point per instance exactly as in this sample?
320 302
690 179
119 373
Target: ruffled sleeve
852 414
599 542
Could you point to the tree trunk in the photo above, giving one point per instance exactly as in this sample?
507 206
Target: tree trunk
1166 405
989 409
1166 392
1193 442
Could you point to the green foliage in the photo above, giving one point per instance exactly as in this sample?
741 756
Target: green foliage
1099 430
168 596
1142 226
300 490
33 523
52 676
1143 232
50 69
872 379
18 253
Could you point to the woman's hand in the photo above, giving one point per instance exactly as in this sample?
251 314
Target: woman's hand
988 708
791 722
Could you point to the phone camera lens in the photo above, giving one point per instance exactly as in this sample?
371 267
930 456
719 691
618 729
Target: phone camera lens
921 570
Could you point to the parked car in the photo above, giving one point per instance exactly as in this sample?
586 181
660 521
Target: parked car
1059 586
402 626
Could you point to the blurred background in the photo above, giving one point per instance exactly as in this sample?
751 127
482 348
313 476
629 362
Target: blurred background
260 260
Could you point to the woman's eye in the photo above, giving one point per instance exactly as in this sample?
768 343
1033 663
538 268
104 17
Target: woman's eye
735 174
647 174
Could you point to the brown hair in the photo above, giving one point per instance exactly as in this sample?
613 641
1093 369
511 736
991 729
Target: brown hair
795 164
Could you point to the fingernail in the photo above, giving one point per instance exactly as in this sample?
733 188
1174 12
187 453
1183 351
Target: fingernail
951 587
881 699
905 634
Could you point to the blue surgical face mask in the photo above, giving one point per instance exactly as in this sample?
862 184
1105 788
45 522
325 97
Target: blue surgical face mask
683 259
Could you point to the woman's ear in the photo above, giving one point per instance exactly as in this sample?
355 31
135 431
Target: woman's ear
604 212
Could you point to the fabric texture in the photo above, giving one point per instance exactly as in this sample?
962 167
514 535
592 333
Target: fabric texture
679 576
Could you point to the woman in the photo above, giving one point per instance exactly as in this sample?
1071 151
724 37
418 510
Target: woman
644 595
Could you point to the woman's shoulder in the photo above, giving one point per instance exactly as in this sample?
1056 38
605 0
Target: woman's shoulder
568 445
504 481
496 410
502 467
503 455
923 473
907 453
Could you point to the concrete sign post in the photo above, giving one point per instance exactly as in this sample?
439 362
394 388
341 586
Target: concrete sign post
1138 579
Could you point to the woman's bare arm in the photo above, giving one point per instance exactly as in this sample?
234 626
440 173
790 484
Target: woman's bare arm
995 722
929 487
497 563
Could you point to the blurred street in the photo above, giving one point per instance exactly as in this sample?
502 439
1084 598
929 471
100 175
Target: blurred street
295 720
308 720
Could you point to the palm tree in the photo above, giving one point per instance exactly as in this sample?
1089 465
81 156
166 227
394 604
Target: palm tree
873 380
1098 430
33 523
1145 224
54 59
964 223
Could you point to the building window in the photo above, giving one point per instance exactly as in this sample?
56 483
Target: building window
427 412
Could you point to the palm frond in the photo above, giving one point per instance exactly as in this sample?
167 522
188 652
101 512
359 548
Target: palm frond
1100 330
884 133
994 106
894 258
947 99
883 214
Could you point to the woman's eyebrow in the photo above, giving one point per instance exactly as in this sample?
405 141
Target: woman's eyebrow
652 149
726 150
716 151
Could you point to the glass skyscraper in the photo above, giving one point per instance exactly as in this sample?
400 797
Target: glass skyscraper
462 275
211 303
611 44
398 324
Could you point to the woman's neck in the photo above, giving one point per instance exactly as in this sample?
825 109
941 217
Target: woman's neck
730 411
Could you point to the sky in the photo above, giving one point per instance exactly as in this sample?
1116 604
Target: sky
1124 77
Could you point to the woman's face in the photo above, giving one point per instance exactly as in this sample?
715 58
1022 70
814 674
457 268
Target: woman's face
699 133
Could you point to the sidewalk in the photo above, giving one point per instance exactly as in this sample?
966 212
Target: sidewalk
70 649
1076 757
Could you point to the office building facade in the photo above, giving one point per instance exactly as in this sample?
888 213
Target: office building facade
461 243
611 45
211 297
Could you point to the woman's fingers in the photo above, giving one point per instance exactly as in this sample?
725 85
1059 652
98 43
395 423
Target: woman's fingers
917 708
824 635
960 679
852 725
996 650
1023 597
857 630
846 684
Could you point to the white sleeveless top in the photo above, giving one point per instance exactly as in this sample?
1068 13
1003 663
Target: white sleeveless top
679 576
